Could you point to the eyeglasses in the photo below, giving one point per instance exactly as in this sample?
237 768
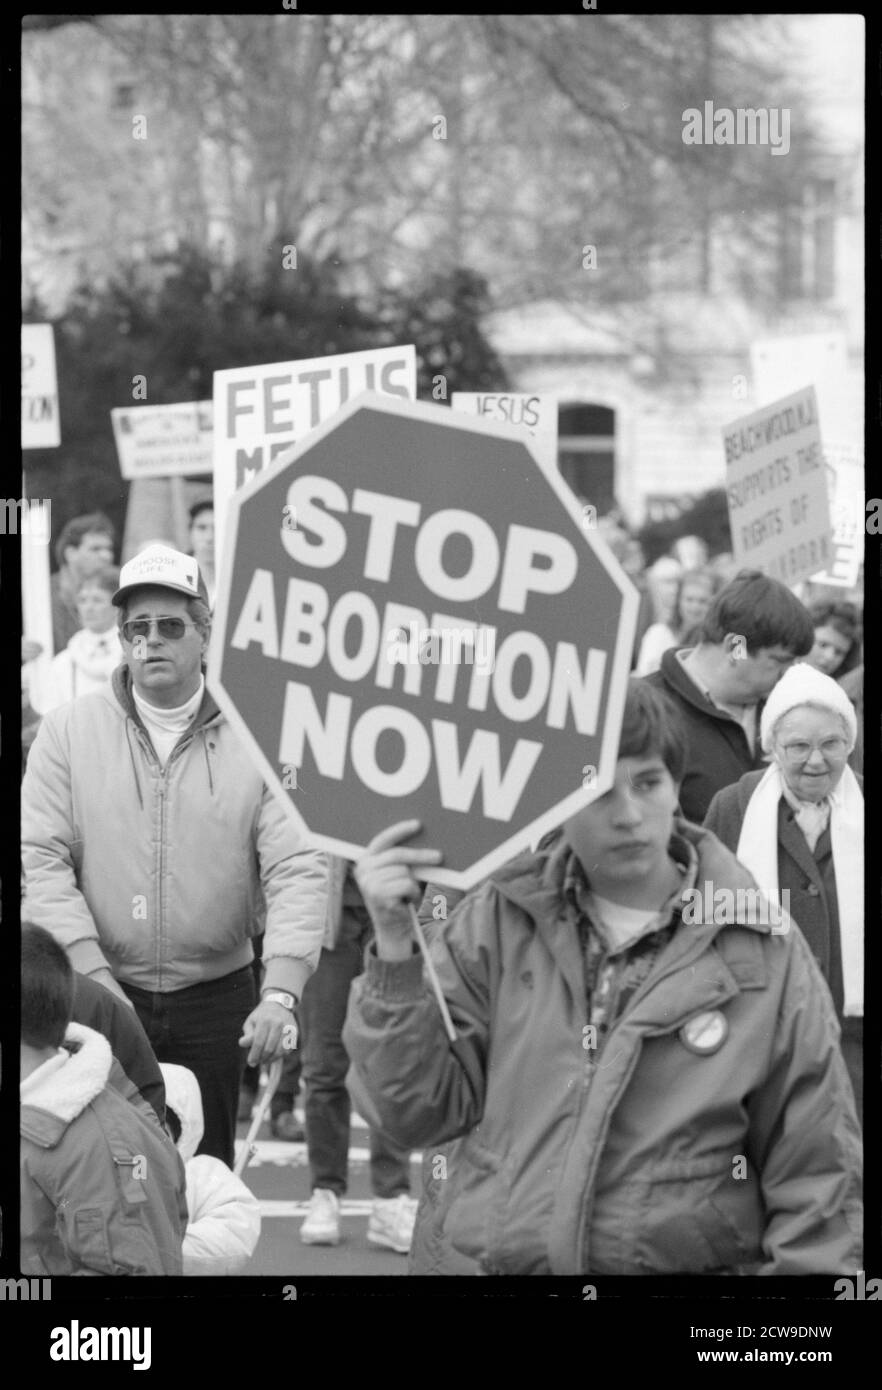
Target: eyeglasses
799 751
171 628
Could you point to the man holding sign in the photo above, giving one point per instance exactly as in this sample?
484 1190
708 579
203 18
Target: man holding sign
603 1048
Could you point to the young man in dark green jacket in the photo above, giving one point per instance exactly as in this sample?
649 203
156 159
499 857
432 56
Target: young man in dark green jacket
754 629
638 1085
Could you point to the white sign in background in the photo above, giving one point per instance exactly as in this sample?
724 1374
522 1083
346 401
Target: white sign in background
777 491
780 366
845 481
40 429
261 411
40 426
536 414
163 441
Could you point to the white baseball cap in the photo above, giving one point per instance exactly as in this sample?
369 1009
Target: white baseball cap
160 567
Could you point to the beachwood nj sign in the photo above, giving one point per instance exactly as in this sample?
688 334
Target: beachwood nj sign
412 622
776 486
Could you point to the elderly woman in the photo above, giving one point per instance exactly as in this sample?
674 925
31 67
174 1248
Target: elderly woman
798 827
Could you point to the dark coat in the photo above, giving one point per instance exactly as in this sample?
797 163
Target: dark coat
809 877
718 749
100 1009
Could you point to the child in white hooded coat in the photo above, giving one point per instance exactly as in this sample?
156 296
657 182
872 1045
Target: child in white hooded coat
224 1222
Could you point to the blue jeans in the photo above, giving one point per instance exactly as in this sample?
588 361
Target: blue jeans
324 1066
199 1027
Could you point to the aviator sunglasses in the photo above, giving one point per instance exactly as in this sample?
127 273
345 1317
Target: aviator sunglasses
171 628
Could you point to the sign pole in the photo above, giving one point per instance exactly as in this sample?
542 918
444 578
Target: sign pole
433 977
179 512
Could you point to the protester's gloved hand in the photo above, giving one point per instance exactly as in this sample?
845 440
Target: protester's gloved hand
385 875
108 980
264 1033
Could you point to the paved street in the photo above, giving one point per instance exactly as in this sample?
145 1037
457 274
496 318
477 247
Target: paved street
278 1174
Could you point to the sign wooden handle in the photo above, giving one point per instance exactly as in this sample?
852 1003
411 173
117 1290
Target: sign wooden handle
433 977
247 1149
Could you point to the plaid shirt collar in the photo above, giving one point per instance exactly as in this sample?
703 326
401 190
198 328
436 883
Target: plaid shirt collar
577 890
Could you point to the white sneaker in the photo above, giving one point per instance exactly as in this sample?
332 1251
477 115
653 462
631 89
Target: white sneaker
321 1225
391 1222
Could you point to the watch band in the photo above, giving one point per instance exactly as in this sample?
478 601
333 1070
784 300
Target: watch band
280 996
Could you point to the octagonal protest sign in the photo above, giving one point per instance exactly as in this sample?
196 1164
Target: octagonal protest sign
414 622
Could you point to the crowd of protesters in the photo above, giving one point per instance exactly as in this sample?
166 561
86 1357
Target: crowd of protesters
631 1090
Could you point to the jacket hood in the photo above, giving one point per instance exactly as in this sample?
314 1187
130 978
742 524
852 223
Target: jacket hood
121 685
183 1096
532 881
68 1089
673 674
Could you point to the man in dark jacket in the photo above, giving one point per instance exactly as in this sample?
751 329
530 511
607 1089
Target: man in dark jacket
100 1009
635 1087
754 629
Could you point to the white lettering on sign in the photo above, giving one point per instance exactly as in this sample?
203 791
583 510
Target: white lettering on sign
331 545
459 779
520 575
386 514
390 748
484 563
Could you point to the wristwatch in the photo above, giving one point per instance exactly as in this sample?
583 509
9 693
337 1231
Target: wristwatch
279 996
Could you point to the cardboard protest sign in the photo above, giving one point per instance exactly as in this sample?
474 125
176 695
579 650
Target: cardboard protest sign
36 593
537 414
412 622
163 441
776 485
40 426
780 366
40 429
845 481
261 411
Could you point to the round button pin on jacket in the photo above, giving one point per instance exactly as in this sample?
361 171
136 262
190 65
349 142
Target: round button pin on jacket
705 1033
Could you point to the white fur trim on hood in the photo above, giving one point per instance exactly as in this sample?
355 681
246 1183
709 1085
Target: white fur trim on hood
803 685
66 1090
183 1096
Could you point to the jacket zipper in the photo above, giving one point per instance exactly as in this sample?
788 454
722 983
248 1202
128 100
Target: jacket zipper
144 739
590 1068
587 1205
159 911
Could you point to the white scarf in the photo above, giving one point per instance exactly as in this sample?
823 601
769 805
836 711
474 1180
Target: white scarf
758 851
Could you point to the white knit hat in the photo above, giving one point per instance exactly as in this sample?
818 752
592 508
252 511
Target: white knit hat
800 685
